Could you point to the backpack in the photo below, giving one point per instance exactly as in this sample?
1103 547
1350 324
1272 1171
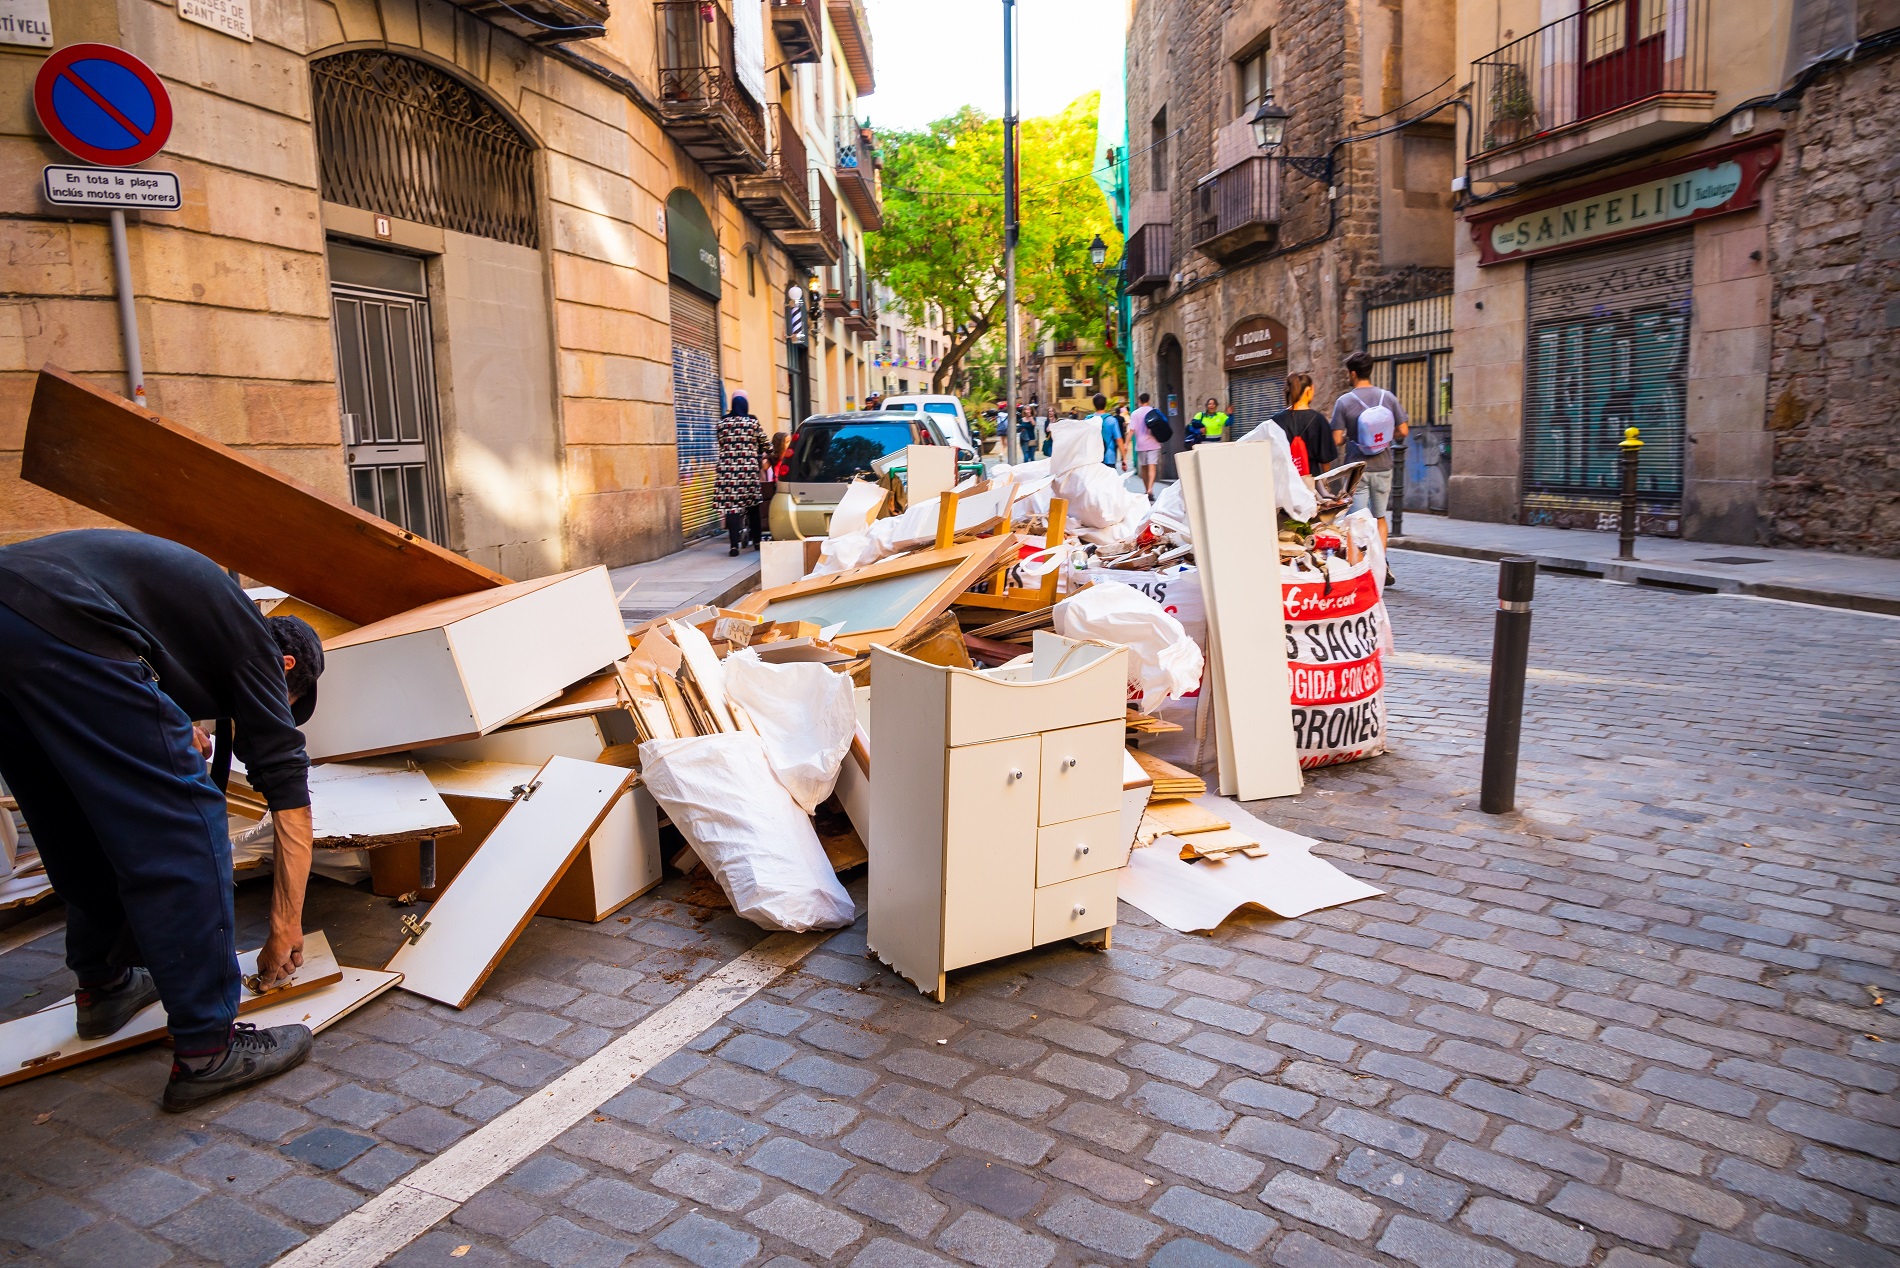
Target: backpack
1158 425
1373 431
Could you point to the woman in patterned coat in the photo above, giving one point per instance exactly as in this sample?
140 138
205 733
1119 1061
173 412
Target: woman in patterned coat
743 451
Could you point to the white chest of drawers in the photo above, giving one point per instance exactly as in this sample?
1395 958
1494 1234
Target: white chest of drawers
995 806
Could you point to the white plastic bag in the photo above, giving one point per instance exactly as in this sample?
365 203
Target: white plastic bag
1163 661
720 792
1289 491
1097 498
1074 443
1169 513
804 713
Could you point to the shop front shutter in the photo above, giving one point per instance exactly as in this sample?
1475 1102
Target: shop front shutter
1608 349
697 402
1252 399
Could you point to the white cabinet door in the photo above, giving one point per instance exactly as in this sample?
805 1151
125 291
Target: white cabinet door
1081 771
989 864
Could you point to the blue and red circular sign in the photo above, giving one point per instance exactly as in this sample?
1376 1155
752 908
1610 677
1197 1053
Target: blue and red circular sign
103 104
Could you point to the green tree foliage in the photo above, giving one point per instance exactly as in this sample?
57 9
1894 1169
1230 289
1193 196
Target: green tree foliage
942 241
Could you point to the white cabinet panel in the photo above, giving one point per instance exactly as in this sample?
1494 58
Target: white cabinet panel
1082 905
1080 847
1081 771
990 810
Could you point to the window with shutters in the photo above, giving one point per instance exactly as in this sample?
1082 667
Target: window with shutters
397 136
1256 81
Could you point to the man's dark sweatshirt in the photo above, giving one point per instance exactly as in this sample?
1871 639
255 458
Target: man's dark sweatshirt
129 596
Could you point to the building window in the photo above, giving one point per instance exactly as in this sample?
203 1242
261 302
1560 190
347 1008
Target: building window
751 271
1158 151
1256 80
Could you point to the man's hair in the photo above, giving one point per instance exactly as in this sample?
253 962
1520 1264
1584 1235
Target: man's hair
295 637
1296 385
1142 399
1359 365
1101 401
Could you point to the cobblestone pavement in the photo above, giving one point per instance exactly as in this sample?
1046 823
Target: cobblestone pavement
1645 1021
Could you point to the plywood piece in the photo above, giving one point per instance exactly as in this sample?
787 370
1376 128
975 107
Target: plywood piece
702 663
356 807
485 908
598 693
1169 780
43 1042
620 862
906 840
1190 897
1241 586
463 667
678 713
782 562
324 1008
929 471
1180 817
148 473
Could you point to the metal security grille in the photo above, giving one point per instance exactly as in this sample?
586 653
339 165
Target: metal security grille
1252 399
1608 349
397 136
387 383
1410 346
696 407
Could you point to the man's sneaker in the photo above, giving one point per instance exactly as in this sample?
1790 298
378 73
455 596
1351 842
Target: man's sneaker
1390 580
104 1011
252 1056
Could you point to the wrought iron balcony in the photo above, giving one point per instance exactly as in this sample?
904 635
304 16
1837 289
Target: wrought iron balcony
1238 210
779 198
1617 76
542 21
816 246
800 27
861 318
705 109
1148 258
854 35
857 173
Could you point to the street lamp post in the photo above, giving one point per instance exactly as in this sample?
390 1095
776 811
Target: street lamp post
1098 252
1010 228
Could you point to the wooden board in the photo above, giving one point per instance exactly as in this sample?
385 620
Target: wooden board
361 806
596 694
485 908
324 1008
1232 503
702 663
1178 817
463 667
154 475
929 471
1169 780
43 1042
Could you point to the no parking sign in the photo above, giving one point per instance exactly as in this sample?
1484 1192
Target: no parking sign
103 104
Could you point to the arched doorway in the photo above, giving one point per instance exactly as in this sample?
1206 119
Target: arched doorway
405 140
1167 397
692 261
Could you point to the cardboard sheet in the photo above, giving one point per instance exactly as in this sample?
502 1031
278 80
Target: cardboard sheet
1190 897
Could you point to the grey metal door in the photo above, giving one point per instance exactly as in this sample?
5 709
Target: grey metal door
387 380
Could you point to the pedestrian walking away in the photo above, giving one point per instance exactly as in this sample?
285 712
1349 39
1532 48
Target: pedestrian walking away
1114 434
1367 422
111 643
1307 430
737 487
1151 430
1212 421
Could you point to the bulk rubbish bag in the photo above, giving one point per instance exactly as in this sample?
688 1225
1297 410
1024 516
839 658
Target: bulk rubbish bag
805 715
720 792
1163 663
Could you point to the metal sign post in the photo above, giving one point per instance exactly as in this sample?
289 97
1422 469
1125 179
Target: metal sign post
1010 228
107 107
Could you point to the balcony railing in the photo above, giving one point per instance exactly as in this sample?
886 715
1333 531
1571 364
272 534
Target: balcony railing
1148 258
1239 209
857 173
706 111
1588 65
779 198
862 317
816 247
854 35
543 21
800 27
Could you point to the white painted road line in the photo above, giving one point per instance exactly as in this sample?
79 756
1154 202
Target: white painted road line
417 1202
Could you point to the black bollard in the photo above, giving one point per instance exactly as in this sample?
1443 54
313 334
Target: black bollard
1510 656
1632 451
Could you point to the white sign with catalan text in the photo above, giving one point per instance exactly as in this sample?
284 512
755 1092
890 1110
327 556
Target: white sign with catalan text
230 17
113 187
28 22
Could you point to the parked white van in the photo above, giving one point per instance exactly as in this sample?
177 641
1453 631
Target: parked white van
947 412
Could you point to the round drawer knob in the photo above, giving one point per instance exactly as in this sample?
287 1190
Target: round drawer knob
1080 910
1081 849
1015 774
1071 761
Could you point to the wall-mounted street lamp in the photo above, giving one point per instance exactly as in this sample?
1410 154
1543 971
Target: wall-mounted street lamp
1269 124
1098 252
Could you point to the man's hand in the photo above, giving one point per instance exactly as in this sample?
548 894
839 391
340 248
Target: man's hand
201 741
283 949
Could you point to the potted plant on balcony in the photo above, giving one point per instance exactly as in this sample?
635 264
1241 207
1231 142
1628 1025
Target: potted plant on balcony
1513 112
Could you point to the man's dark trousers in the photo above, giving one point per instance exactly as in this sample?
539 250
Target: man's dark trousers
132 830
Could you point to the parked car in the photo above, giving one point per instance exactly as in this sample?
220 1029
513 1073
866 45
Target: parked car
828 451
946 410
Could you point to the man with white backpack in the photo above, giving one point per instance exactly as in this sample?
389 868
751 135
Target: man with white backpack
1367 422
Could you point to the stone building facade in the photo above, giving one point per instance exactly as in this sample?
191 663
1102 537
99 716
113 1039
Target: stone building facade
1676 221
1834 361
1246 264
602 215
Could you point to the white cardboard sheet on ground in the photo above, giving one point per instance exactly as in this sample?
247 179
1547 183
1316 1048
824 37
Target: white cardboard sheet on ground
1189 897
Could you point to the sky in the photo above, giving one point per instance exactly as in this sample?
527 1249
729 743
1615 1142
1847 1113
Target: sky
935 55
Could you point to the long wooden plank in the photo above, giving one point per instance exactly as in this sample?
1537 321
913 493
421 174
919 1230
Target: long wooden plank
43 1042
494 896
151 474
